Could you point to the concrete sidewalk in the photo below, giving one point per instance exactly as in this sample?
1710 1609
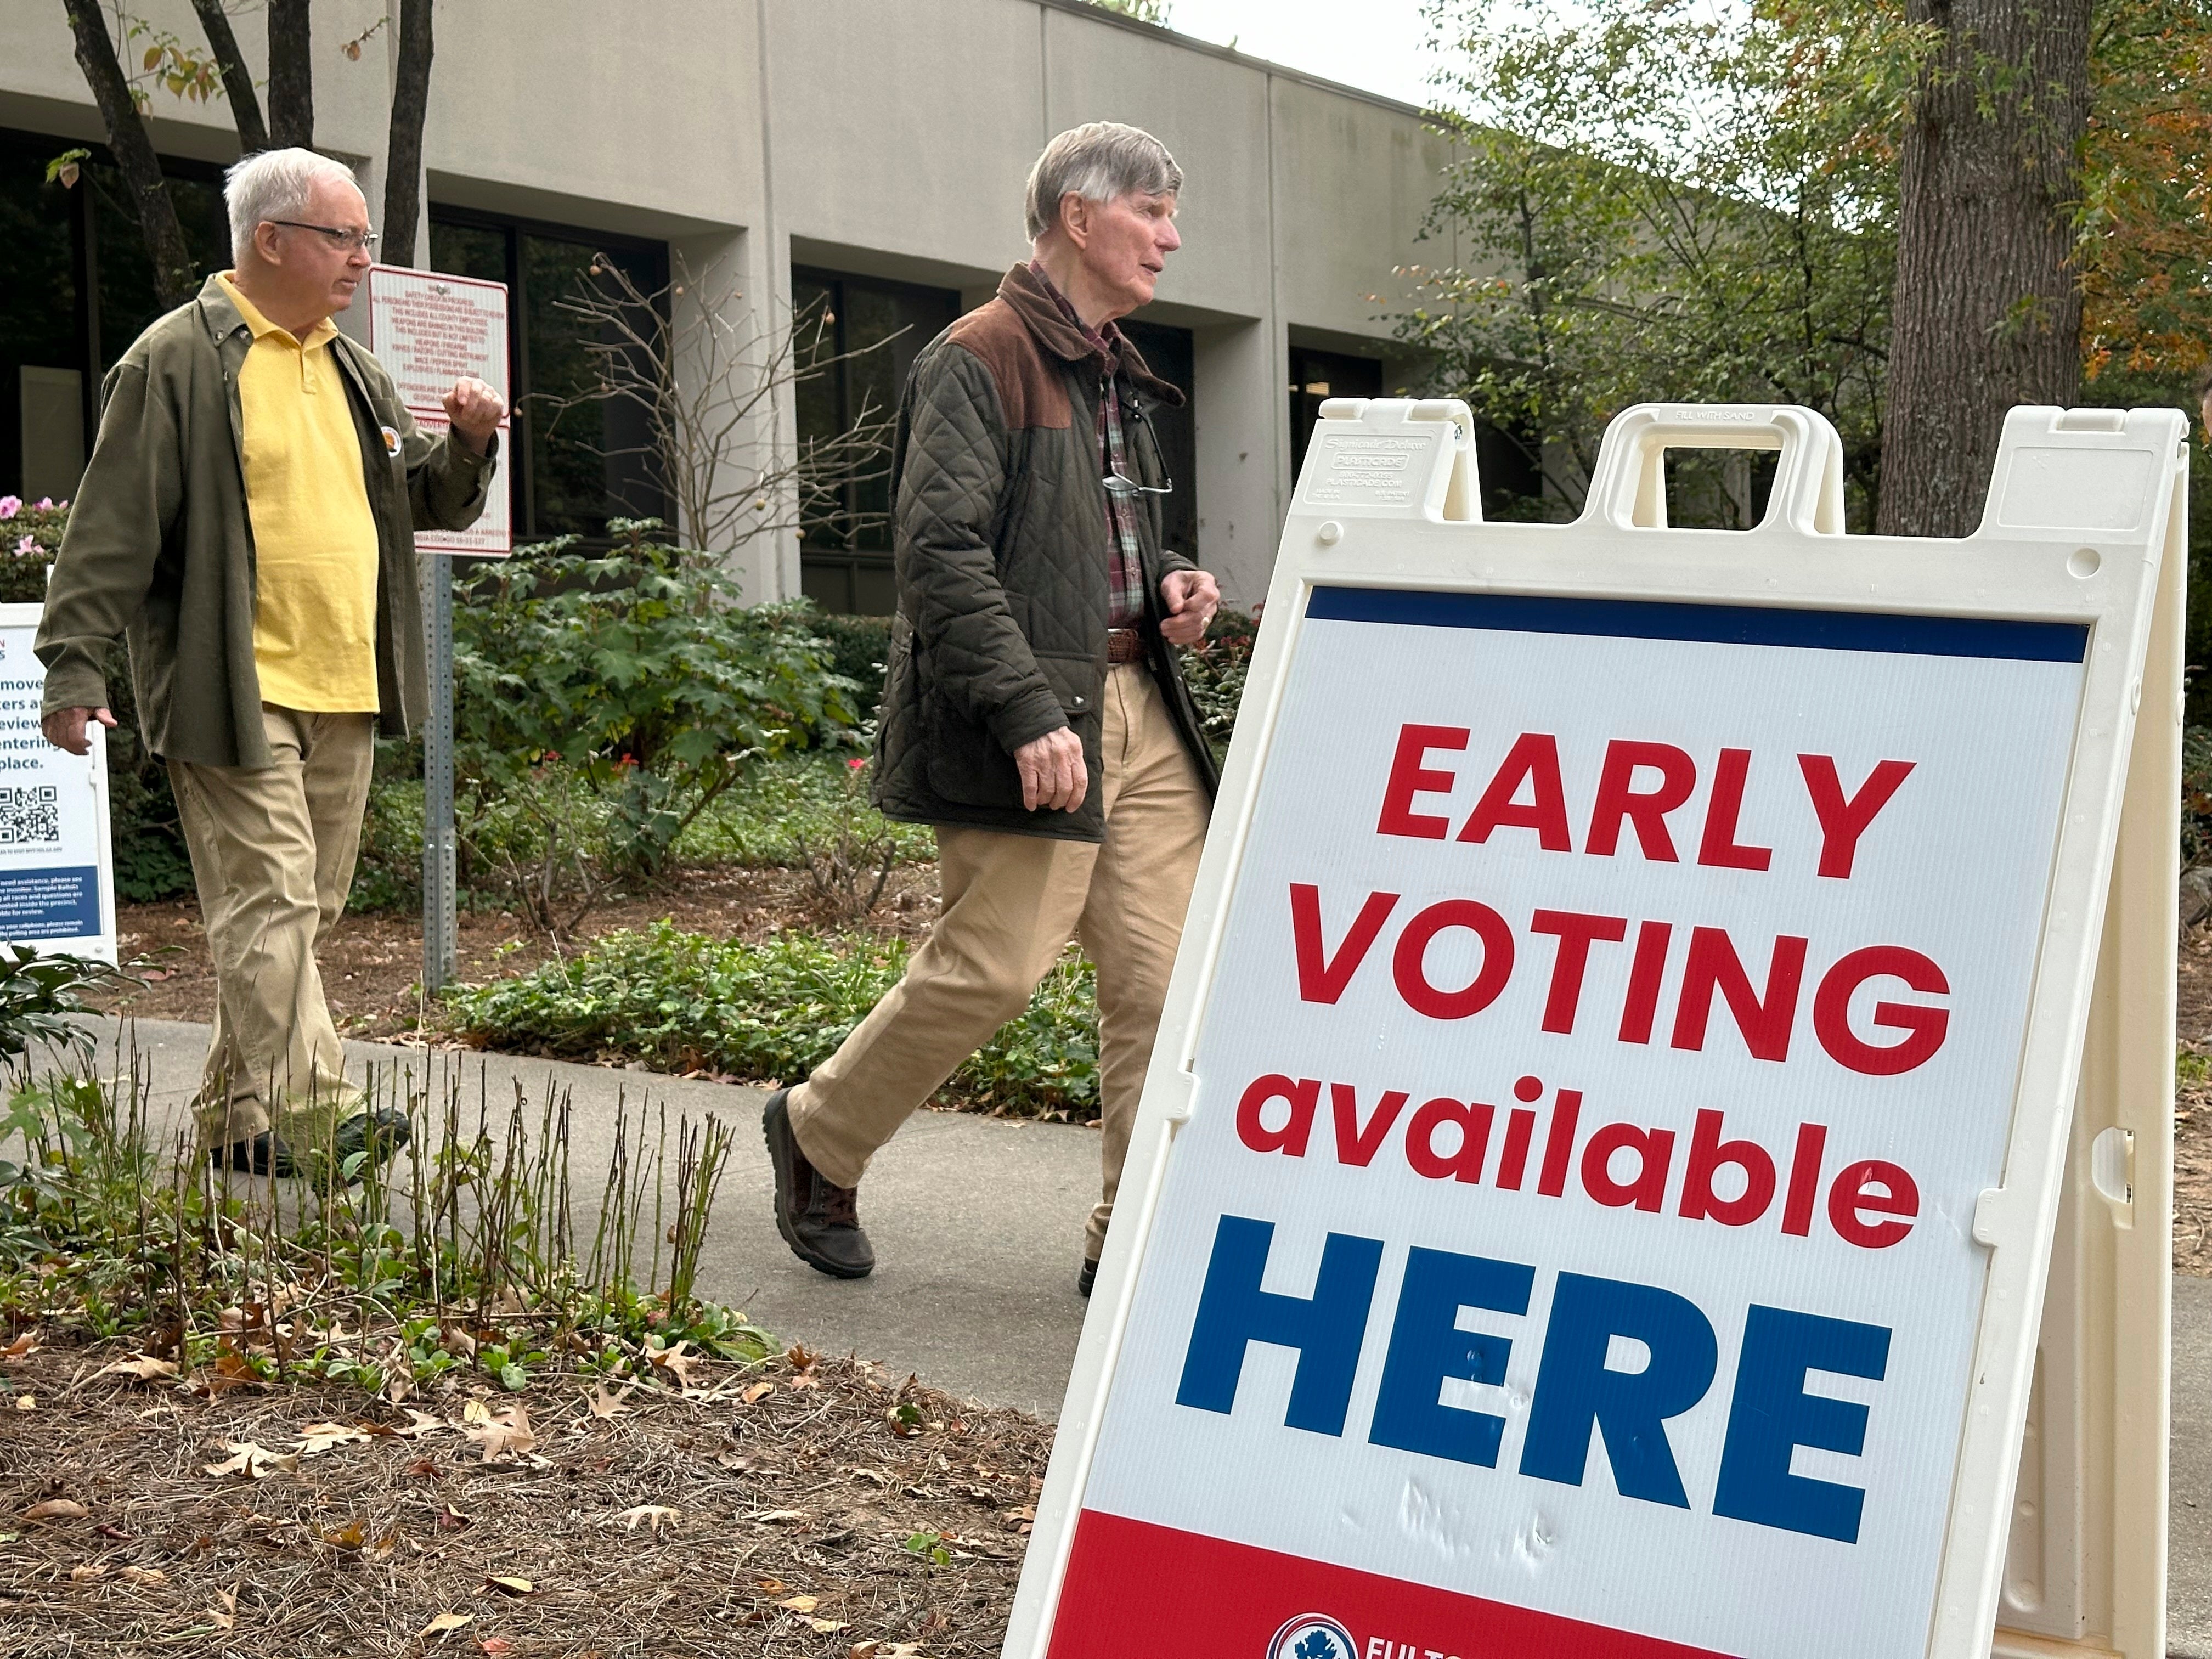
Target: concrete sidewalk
978 1228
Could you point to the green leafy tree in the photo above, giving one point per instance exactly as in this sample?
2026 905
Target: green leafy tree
1145 11
1648 203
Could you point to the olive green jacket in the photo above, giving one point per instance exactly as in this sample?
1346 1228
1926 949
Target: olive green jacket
159 549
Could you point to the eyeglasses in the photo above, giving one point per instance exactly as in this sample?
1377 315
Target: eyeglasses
1117 485
337 235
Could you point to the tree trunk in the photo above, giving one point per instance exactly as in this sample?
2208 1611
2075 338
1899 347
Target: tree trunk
1987 313
403 160
175 278
237 79
291 76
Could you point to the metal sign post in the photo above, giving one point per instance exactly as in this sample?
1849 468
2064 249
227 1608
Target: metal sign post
428 329
441 896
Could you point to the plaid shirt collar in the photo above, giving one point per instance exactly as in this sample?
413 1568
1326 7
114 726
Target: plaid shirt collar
1105 340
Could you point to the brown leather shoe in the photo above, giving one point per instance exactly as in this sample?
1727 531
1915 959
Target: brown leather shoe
820 1220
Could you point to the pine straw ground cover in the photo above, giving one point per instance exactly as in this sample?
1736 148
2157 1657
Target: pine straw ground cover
809 1507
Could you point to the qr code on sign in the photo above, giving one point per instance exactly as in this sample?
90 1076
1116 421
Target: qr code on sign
31 813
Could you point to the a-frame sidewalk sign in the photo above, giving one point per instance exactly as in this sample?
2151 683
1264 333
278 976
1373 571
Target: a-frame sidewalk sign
1654 1000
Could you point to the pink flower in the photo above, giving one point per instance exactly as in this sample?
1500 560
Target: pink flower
852 765
10 505
45 504
28 546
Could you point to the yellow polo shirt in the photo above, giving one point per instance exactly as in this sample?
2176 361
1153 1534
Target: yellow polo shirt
315 538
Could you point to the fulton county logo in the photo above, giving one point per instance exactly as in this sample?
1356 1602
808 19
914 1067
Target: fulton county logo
1312 1636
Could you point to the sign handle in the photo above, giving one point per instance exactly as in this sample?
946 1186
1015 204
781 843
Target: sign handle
1628 488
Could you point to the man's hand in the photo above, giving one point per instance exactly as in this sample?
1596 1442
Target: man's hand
64 728
1191 598
474 409
1053 772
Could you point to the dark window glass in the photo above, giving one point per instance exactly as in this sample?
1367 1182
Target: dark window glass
1317 376
578 460
1168 354
877 328
75 289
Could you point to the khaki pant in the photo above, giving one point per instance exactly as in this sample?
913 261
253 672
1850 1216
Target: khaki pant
273 850
1010 903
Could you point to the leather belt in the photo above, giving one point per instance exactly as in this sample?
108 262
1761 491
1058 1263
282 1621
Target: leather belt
1124 645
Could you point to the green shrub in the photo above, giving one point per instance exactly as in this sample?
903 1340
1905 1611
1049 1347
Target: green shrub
683 1001
782 803
2196 796
1215 672
639 669
860 645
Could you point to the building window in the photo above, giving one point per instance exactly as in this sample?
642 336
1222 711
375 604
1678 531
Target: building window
574 465
1317 376
1168 354
868 332
76 289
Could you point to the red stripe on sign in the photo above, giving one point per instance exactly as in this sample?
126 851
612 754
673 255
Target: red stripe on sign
1134 1587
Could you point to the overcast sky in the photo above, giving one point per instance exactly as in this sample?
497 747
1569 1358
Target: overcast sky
1376 44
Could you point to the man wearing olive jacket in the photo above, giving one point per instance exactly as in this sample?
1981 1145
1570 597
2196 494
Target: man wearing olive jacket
248 520
1033 707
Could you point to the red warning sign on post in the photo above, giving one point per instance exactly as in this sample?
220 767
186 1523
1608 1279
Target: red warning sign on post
1612 1033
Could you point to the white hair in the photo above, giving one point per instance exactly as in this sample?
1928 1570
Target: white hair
274 184
1100 161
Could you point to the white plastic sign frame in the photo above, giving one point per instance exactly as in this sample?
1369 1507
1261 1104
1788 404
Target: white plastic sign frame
54 845
2079 524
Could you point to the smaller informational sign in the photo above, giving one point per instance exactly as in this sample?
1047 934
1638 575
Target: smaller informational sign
57 866
428 330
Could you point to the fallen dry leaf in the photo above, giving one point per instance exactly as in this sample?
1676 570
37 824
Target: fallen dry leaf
652 1515
256 1461
476 1411
150 1577
801 1603
450 1519
57 1509
421 1423
446 1622
494 1644
145 1368
758 1392
885 1650
85 1573
609 1405
321 1437
508 1433
510 1586
21 1349
677 1363
26 1402
827 1627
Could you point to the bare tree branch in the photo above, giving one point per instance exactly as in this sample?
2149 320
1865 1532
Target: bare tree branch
237 79
291 76
175 278
706 374
403 159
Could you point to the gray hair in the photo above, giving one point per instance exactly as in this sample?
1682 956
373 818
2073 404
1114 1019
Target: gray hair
274 184
1100 161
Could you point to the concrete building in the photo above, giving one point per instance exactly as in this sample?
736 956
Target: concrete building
865 157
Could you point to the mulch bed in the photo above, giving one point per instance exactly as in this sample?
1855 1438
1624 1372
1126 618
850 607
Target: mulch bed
803 1517
372 964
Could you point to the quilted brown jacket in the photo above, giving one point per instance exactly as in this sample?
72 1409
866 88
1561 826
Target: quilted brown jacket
1001 539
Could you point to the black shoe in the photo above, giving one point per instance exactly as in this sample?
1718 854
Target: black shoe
819 1220
255 1157
380 1134
1086 1279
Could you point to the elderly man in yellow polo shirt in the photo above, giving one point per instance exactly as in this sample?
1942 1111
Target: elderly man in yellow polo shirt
246 521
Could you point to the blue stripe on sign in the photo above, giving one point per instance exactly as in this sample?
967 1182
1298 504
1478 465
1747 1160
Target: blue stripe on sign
1718 624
